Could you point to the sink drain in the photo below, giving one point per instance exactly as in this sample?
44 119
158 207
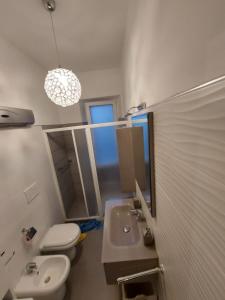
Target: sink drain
126 229
47 279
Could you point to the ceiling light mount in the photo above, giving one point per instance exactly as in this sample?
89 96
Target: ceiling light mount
49 5
61 85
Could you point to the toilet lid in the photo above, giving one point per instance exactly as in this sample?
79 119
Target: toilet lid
60 235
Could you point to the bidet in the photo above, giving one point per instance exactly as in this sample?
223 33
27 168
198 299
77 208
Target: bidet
48 283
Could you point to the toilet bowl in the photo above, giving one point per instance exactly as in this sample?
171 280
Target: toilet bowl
61 239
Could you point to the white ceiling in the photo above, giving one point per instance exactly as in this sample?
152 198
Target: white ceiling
90 33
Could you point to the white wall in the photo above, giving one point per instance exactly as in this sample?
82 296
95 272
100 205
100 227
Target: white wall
23 160
94 84
71 114
172 46
101 83
190 206
21 85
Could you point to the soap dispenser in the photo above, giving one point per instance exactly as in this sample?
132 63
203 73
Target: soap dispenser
148 237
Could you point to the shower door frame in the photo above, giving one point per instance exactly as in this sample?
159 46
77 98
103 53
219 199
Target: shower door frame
91 155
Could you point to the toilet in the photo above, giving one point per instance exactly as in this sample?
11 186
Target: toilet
61 239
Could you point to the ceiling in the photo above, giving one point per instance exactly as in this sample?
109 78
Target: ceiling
90 33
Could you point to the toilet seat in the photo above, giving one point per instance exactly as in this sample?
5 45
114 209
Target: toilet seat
60 237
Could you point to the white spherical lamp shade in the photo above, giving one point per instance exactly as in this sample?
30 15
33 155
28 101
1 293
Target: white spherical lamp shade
62 87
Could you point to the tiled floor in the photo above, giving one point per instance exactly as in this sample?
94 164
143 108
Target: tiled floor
87 279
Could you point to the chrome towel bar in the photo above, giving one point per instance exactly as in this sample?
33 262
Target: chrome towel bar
150 272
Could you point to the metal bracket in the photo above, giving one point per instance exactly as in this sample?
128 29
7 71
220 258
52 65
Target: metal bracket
50 5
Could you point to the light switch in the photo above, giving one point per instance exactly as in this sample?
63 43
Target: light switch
31 192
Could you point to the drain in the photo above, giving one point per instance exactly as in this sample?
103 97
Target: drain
47 279
126 229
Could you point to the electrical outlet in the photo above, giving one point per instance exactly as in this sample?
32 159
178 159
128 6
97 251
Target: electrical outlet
31 192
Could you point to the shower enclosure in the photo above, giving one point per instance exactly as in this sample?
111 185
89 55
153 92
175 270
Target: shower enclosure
85 167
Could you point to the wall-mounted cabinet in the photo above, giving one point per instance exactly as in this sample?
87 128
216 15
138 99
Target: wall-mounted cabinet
131 158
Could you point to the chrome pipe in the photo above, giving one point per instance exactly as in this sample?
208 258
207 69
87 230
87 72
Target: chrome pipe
124 279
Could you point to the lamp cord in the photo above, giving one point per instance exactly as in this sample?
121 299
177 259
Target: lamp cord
55 40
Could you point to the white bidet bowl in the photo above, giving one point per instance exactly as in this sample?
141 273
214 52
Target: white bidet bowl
48 281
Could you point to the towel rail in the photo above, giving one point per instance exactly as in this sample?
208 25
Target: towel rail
124 279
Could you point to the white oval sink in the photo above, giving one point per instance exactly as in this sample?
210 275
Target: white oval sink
123 226
52 272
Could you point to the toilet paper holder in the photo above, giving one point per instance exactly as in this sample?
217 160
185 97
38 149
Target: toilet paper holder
29 233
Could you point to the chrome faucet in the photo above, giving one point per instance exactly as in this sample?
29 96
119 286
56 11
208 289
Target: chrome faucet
138 213
31 267
134 212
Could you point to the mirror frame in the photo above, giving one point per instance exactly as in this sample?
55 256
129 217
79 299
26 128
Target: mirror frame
151 157
151 146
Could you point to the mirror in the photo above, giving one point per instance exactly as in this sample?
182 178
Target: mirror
146 122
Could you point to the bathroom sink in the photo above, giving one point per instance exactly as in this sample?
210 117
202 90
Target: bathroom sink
52 271
124 229
123 249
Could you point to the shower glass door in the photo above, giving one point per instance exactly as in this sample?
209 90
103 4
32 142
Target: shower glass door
107 162
67 173
85 166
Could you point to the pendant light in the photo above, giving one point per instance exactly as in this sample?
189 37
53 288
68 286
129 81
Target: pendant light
61 85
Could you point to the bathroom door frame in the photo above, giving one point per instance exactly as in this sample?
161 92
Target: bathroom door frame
112 102
91 154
